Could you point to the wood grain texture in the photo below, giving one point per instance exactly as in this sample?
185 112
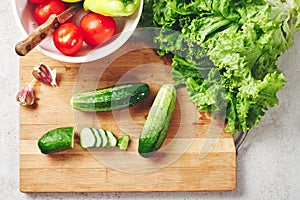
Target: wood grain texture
208 162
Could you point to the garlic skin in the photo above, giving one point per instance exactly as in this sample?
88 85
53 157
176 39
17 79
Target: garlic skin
44 74
25 96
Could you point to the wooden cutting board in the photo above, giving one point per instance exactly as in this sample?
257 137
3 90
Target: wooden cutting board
196 155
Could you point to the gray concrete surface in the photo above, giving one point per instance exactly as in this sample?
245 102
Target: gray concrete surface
268 164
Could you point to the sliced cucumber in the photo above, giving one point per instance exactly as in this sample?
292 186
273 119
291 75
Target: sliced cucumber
87 138
104 137
123 142
92 137
112 140
98 137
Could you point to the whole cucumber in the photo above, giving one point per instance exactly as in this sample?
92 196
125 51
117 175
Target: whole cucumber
110 98
157 123
56 140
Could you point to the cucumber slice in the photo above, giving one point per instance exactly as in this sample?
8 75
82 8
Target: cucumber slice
92 137
87 138
98 137
56 140
104 137
123 142
112 140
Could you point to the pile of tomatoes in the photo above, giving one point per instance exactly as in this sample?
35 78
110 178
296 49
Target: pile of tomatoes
93 29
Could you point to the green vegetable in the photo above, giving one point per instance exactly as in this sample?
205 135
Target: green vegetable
98 137
92 138
110 98
157 123
104 137
123 142
112 140
147 14
113 8
225 52
88 138
57 140
71 1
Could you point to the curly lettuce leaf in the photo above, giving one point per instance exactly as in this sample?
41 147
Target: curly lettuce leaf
225 52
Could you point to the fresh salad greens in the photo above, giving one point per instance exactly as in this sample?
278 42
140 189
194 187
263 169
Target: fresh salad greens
225 52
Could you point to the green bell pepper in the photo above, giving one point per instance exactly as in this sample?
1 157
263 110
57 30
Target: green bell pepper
113 8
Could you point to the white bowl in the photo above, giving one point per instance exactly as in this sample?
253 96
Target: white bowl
23 12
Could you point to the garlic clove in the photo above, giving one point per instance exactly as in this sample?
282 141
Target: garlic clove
25 96
45 74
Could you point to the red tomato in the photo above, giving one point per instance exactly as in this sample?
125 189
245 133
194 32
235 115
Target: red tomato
36 1
68 38
43 11
97 28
